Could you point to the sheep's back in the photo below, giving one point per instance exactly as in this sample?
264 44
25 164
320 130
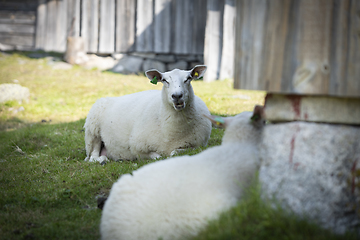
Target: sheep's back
175 198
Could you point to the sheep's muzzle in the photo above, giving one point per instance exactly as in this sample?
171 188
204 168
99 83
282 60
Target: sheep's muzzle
179 105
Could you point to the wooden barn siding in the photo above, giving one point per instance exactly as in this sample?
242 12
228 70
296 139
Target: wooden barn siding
277 41
17 20
160 26
108 26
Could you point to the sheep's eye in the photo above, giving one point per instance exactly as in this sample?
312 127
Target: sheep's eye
188 79
165 81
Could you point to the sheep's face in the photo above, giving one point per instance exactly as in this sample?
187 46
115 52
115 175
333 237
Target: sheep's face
245 126
177 87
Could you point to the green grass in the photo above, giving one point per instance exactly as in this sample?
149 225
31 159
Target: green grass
255 219
47 191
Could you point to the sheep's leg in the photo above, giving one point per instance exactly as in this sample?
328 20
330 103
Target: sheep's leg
154 155
177 151
103 158
98 153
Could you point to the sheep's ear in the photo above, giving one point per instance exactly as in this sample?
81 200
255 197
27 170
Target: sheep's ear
198 71
258 117
154 75
220 122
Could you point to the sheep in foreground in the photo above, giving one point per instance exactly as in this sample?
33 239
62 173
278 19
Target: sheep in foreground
149 124
175 198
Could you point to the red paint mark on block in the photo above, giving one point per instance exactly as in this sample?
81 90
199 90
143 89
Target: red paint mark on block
353 175
292 145
292 148
306 116
296 104
296 165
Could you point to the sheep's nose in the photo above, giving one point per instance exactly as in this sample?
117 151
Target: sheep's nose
177 96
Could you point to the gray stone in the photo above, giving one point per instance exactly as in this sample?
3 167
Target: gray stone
313 170
61 66
13 92
183 65
144 55
128 64
152 64
166 58
6 47
188 58
193 64
38 55
101 63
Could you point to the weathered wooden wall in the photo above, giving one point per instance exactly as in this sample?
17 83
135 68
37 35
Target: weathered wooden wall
298 46
161 26
177 27
17 23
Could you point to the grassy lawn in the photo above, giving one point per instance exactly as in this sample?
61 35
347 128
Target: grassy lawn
47 190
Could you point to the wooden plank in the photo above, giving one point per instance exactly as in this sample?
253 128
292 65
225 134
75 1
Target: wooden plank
18 40
50 23
17 28
73 16
339 37
199 25
41 17
213 39
353 61
184 14
276 31
61 26
162 26
228 42
125 25
312 108
90 25
144 26
107 27
19 5
313 48
17 17
290 52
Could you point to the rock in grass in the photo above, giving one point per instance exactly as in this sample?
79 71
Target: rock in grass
13 92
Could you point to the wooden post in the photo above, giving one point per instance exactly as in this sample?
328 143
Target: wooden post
184 15
40 25
125 25
162 26
90 25
144 26
213 39
107 27
198 26
228 42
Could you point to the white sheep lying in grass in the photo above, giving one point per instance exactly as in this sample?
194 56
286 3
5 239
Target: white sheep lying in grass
149 124
175 198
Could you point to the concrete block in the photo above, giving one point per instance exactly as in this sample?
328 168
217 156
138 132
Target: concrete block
101 63
313 170
152 64
128 64
144 55
166 58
